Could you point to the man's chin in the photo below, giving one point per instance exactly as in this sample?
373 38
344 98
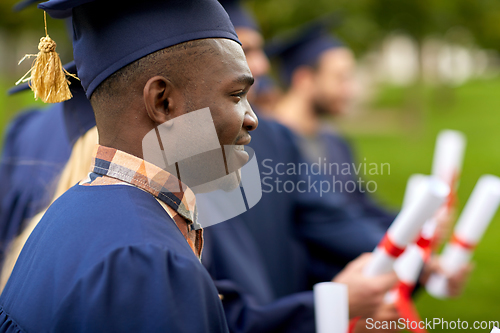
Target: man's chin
227 183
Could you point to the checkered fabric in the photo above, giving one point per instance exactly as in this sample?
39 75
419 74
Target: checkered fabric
111 166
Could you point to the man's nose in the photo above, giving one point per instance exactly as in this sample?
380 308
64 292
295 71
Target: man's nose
250 122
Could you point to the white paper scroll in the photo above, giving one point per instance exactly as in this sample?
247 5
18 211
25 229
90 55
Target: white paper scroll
409 264
331 307
408 224
448 155
471 226
415 181
447 164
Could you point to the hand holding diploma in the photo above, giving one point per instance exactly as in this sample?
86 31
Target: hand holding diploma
456 281
366 294
424 197
446 166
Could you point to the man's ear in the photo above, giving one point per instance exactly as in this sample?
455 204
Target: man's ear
158 99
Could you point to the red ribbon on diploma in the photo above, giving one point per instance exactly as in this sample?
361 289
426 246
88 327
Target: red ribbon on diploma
463 244
352 324
406 308
423 242
391 248
426 245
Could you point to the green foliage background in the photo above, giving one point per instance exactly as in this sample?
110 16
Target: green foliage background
367 21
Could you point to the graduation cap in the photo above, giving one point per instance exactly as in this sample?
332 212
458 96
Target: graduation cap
238 15
303 46
108 35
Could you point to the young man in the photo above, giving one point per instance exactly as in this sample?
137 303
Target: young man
118 252
318 71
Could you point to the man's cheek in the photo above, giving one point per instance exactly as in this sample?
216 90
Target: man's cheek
228 132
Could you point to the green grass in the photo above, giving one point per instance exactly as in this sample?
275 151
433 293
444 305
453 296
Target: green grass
408 146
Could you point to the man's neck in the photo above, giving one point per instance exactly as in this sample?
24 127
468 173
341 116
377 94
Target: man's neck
297 112
128 146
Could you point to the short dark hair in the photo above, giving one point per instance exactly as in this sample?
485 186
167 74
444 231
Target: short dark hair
176 63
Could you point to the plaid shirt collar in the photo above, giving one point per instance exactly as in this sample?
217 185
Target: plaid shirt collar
148 177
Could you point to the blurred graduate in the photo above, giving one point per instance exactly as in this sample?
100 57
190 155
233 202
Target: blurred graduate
318 72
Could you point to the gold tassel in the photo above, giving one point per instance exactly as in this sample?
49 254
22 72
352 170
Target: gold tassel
48 76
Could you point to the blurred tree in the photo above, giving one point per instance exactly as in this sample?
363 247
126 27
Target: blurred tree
367 21
364 21
15 22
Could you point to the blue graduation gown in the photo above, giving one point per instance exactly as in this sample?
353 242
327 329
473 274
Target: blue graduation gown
232 258
36 148
334 149
280 238
109 259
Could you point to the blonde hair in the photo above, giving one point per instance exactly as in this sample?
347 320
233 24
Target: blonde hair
75 170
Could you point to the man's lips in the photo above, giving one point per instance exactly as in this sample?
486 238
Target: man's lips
243 140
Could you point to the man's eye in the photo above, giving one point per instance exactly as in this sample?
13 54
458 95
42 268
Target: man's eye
239 94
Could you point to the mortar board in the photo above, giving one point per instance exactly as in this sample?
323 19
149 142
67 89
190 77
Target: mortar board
108 35
302 48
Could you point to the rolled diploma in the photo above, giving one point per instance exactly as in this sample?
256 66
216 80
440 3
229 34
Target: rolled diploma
409 264
447 163
331 307
407 268
408 223
413 185
471 226
448 155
